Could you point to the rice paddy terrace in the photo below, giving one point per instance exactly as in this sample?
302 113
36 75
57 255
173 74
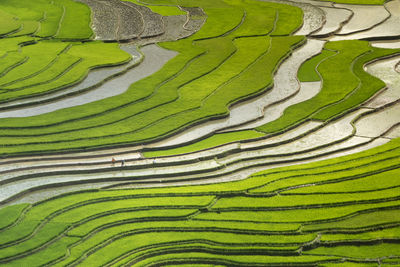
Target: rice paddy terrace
209 133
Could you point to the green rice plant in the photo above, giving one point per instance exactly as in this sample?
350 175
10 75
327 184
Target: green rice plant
31 220
370 219
80 213
378 234
291 200
10 214
328 175
369 86
379 181
272 228
41 56
134 256
119 132
290 19
164 10
52 19
62 63
339 81
118 217
70 67
10 61
8 23
260 18
342 89
281 46
392 261
221 18
297 215
360 251
212 141
219 51
46 255
138 239
221 259
70 27
28 27
308 70
224 233
46 18
137 91
102 215
51 230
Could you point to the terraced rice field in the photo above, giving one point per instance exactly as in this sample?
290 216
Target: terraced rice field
209 133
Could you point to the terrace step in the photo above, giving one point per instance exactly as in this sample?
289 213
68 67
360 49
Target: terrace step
94 88
332 139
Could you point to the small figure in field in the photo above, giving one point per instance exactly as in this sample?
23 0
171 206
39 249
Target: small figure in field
113 161
122 163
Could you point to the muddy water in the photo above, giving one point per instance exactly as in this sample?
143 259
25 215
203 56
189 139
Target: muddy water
379 122
334 18
388 28
386 44
154 59
364 17
385 70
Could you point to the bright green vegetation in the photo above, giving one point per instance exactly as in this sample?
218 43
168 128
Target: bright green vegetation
222 223
308 70
337 211
191 88
10 214
46 18
164 10
55 65
8 23
36 57
212 141
345 85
